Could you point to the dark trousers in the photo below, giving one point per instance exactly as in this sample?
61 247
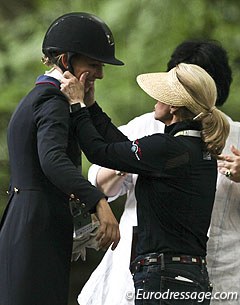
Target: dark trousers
172 284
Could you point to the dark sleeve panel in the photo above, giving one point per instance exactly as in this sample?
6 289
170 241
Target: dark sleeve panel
52 120
141 156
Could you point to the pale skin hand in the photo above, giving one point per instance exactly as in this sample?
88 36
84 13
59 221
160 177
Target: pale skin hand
108 232
231 163
108 182
78 91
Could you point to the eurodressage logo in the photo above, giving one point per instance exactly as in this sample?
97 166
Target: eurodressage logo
199 297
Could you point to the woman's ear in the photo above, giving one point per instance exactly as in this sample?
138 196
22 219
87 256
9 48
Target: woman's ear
173 109
64 61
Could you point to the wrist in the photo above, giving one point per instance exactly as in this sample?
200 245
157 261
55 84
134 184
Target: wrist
101 204
76 106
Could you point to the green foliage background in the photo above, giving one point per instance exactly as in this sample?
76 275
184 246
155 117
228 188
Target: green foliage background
145 32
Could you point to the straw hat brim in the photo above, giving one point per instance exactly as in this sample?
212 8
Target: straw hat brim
166 88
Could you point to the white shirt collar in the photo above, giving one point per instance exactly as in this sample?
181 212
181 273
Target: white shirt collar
55 74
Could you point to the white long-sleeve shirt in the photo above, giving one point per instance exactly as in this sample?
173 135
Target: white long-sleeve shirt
223 247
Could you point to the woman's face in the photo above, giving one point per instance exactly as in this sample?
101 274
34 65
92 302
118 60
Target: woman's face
85 64
162 113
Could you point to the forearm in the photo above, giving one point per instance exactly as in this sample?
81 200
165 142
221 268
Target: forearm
109 181
94 146
104 126
75 90
121 156
70 181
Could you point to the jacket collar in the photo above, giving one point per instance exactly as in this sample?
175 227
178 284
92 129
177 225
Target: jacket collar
184 125
45 79
52 77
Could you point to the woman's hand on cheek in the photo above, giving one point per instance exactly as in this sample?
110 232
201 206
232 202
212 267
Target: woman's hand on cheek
73 88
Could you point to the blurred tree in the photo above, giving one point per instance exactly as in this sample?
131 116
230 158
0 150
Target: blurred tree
11 8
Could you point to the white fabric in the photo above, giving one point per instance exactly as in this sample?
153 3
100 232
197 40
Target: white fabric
55 74
112 280
224 243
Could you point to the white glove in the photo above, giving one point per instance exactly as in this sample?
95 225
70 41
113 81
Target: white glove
80 245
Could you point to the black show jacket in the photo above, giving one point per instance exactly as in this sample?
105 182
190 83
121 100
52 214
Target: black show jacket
36 228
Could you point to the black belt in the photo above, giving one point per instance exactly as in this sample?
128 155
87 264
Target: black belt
162 258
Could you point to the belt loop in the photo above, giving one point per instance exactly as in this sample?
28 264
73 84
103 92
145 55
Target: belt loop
162 261
134 268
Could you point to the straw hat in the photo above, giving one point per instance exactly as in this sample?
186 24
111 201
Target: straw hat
196 90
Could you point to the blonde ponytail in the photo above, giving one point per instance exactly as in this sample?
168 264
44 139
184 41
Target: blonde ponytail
202 89
215 130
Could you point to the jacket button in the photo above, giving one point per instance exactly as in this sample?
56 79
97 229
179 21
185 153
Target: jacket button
83 205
